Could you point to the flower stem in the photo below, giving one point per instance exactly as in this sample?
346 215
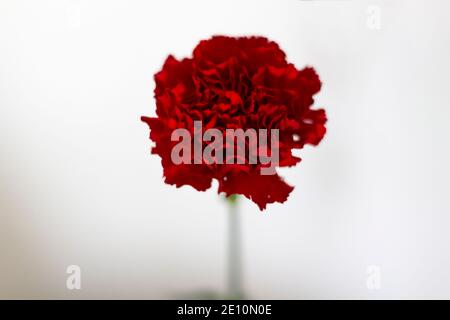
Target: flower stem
234 250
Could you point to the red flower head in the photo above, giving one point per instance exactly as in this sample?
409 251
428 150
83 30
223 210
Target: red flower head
235 83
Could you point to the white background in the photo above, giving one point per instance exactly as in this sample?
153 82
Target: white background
78 185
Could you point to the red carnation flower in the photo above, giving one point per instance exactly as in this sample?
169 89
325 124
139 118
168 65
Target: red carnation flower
236 83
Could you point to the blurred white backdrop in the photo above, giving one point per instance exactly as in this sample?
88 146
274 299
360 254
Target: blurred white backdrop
79 186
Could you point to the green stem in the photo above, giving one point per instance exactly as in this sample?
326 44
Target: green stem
234 250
